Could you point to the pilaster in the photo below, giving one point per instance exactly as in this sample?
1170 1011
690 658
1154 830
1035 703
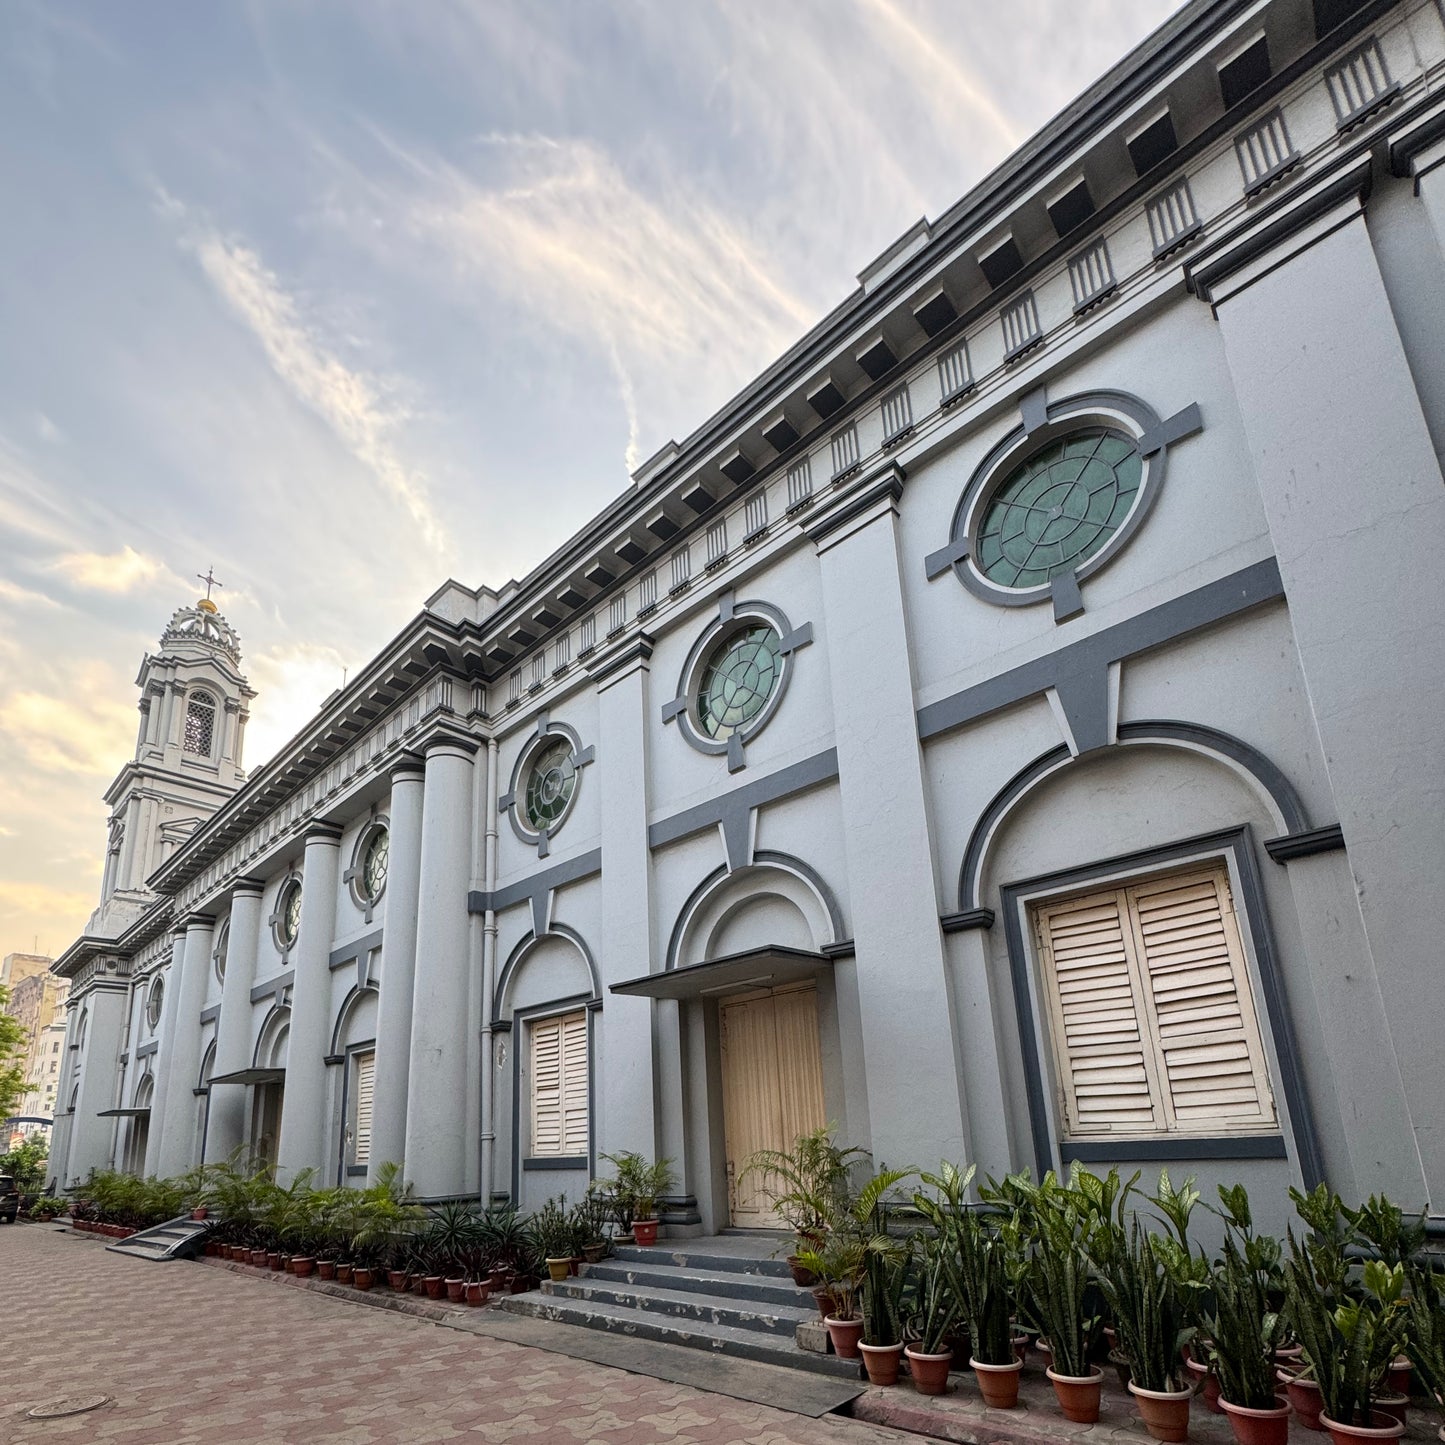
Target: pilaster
188 984
92 1141
165 1035
226 1130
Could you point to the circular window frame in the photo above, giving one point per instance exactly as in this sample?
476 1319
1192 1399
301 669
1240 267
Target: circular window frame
548 733
733 620
292 884
218 953
356 874
155 1002
1128 416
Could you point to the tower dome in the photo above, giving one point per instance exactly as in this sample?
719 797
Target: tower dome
204 624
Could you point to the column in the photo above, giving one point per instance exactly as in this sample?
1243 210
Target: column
164 1036
1353 494
226 1131
904 994
179 1141
624 1067
398 966
92 1139
303 1104
56 1172
436 1143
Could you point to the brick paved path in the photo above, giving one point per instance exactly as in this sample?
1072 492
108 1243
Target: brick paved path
196 1354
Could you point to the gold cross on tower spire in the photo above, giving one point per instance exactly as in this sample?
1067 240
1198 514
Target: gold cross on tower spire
209 578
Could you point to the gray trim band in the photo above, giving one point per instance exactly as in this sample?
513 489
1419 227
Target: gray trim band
1162 1151
146 1050
967 921
273 986
887 483
556 1161
211 1014
350 952
1305 843
585 865
1091 656
727 810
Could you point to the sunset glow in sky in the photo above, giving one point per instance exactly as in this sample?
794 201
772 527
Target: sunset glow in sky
346 297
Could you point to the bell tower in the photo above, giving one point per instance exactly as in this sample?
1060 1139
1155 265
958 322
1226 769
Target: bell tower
194 704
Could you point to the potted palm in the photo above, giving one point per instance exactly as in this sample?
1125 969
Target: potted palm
635 1189
929 1355
1150 1316
1350 1346
1064 1304
1245 1331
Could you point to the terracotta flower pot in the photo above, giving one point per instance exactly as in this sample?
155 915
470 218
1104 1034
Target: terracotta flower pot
595 1252
200 1213
881 1362
1304 1398
644 1231
844 1335
823 1298
1258 1427
456 1290
1382 1428
1078 1395
418 1284
559 1269
326 1268
1206 1382
435 1286
362 1277
1395 1405
1122 1368
930 1372
273 1259
477 1291
258 1258
520 1283
1021 1348
803 1277
302 1266
1165 1413
399 1280
1397 1377
344 1273
499 1279
998 1384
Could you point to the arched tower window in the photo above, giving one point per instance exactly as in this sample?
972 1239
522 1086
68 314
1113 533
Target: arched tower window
200 724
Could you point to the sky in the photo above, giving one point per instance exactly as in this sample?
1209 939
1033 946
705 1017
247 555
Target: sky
345 297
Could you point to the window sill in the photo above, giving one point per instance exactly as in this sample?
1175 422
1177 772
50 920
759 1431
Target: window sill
1178 1147
556 1161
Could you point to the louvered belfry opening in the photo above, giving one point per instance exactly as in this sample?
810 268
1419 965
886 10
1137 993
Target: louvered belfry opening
559 1085
1152 1017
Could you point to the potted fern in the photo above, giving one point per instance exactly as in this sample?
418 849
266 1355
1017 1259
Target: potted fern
1063 1303
1151 1318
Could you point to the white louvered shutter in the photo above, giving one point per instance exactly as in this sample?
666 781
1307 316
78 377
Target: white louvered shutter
574 1084
365 1089
1105 1060
1153 1019
547 1086
1211 1060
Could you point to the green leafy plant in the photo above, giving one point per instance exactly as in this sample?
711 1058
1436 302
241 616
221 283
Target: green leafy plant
1330 1232
806 1185
988 1299
25 1163
1150 1311
1384 1227
1059 1280
1176 1206
636 1186
939 1296
1425 1329
857 1228
1245 1331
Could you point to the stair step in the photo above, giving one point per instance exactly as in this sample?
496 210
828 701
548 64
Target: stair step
759 1316
724 1339
708 1263
653 1274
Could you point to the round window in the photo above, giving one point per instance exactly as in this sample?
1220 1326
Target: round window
154 1001
289 923
223 943
373 864
738 680
1059 508
551 784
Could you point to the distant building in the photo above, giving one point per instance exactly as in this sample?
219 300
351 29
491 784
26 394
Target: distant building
16 967
1010 728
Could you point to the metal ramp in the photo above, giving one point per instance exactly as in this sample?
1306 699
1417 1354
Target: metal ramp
179 1238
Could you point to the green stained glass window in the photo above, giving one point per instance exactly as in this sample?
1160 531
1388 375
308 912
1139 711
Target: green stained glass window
153 1003
373 864
551 781
291 915
1058 509
738 680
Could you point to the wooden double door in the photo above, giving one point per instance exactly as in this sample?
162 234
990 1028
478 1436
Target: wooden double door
772 1067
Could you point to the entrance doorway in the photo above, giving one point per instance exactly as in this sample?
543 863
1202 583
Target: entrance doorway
772 1068
266 1122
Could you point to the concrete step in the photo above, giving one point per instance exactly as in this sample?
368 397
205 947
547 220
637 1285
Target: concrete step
771 1319
735 1285
709 1262
749 1344
173 1239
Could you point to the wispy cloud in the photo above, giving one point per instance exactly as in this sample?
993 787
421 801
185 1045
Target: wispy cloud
19 596
86 728
357 406
116 572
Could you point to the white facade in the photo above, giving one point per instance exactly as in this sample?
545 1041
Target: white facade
1130 859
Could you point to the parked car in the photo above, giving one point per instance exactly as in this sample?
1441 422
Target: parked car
9 1199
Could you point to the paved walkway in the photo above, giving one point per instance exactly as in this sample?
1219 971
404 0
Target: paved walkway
197 1356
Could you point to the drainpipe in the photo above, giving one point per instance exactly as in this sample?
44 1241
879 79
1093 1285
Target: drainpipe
489 978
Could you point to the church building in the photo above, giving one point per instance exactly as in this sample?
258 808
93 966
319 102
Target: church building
1010 729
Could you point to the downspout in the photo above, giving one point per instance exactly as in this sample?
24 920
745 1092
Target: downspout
489 978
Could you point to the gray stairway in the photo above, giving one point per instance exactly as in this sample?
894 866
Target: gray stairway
179 1238
729 1303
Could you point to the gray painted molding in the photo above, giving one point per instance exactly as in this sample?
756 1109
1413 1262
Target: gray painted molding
974 918
1237 843
146 1050
584 865
518 957
350 952
343 1017
1079 671
1408 142
1223 744
211 1014
887 483
1163 1151
273 986
557 1161
1306 843
547 730
733 810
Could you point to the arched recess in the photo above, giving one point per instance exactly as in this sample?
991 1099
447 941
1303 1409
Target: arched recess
552 965
144 1091
777 899
355 1019
208 1066
273 1040
1266 780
